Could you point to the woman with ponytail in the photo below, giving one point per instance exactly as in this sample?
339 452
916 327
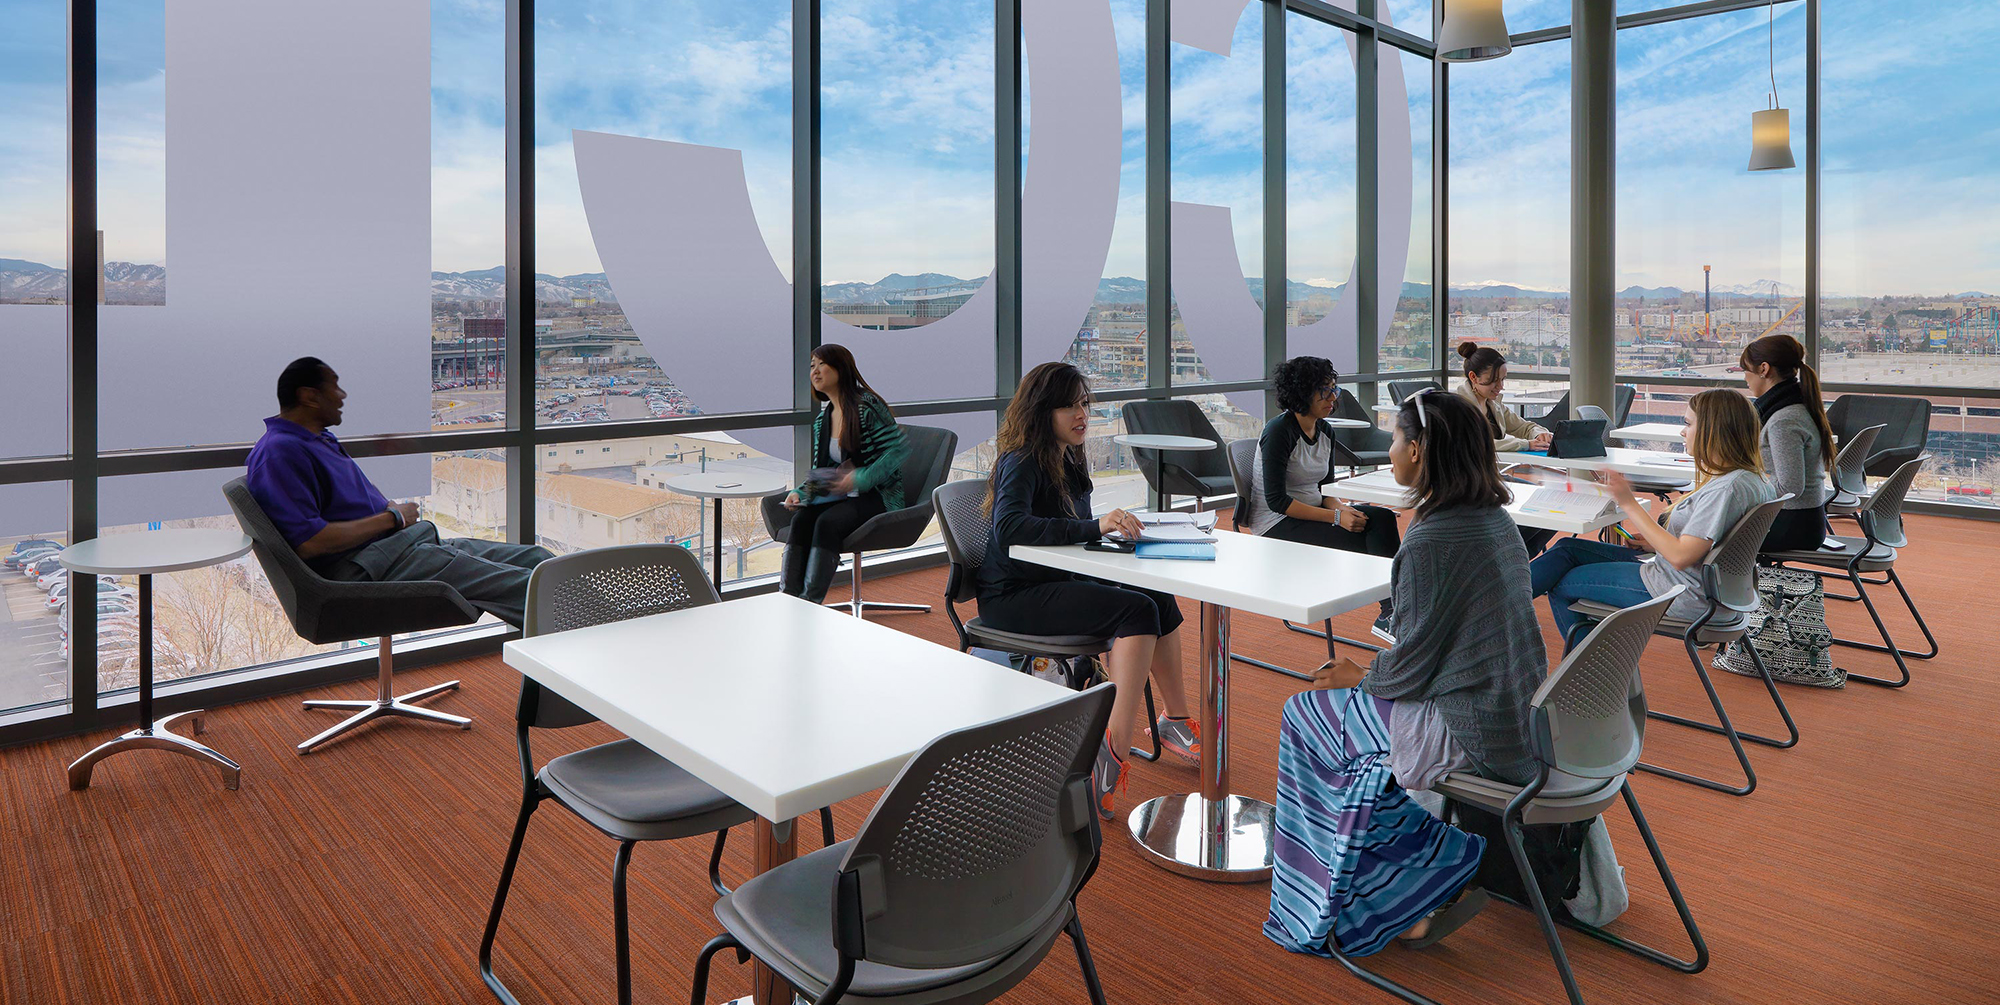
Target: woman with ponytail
1797 442
1485 378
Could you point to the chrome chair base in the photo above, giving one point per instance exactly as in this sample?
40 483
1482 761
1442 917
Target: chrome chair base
158 736
861 608
385 704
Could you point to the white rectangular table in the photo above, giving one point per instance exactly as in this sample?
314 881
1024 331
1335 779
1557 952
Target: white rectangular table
1668 431
1213 834
1379 488
783 705
1653 465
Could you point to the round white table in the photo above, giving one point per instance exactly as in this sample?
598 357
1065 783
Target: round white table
720 485
145 555
1339 423
1164 441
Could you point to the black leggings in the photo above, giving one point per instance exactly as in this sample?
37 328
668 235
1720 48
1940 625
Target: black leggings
1084 607
812 553
1380 537
1797 530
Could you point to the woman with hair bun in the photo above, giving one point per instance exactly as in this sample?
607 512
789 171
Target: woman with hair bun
1797 441
1485 378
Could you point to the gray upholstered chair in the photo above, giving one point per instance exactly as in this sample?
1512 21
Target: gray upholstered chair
1587 724
621 788
962 516
325 611
1197 473
1361 447
924 469
1850 472
1729 575
1882 535
1906 426
961 881
1400 390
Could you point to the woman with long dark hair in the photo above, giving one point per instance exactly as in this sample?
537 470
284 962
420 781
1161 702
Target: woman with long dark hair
858 453
1797 441
1729 482
1357 861
1040 495
1485 379
1295 457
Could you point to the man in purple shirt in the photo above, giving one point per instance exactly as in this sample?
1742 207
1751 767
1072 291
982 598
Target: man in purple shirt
335 518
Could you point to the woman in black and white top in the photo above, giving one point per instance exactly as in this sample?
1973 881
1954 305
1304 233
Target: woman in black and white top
1295 457
1796 442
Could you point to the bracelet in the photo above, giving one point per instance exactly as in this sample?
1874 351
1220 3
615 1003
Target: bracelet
398 517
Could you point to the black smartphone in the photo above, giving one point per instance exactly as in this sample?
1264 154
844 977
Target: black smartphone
1121 547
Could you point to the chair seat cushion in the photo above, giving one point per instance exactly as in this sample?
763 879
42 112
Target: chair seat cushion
1035 645
626 790
1726 626
1566 798
1880 558
785 918
1371 458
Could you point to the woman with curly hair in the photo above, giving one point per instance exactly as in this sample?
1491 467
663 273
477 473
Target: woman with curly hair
1040 495
1295 457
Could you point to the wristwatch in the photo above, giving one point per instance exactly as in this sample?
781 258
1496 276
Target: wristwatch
397 515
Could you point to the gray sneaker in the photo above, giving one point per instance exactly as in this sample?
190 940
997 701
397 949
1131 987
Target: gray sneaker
1107 779
1181 736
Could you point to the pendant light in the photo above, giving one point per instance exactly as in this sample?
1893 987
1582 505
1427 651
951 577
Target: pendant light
1771 129
1473 30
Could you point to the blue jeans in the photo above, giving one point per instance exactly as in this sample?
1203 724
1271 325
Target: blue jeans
1576 569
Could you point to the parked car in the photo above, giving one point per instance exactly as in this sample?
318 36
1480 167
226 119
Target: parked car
105 588
23 557
27 545
41 566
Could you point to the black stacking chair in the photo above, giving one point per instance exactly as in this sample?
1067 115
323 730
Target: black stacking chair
1400 390
925 468
1588 726
326 611
1729 574
1906 426
961 510
1359 448
1197 473
621 788
961 881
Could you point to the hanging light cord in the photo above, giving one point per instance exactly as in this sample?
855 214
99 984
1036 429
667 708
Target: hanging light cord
1771 42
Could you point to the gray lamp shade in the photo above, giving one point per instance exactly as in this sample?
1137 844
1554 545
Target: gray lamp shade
1473 30
1771 140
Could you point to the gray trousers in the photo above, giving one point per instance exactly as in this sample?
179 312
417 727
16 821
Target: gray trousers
490 575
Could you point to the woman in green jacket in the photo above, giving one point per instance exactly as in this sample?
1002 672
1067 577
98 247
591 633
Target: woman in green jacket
858 453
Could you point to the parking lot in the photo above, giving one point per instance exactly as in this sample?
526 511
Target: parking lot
32 669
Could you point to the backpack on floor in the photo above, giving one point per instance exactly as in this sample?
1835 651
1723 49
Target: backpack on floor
1789 630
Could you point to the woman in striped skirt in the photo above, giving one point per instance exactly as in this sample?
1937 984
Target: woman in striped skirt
1358 863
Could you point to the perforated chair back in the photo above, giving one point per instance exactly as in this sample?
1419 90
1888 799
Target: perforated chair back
1731 563
961 512
1594 412
1400 390
1884 510
980 842
598 587
1850 466
1173 417
1242 454
1589 717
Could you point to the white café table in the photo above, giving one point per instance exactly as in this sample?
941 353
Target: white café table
1653 465
1163 442
1213 834
784 705
1379 488
720 485
146 555
1669 431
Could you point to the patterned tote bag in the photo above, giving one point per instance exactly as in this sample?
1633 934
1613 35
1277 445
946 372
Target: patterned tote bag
1789 631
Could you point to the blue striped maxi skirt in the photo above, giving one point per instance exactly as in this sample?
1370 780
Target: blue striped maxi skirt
1356 858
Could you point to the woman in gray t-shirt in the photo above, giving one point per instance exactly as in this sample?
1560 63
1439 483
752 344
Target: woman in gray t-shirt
1722 432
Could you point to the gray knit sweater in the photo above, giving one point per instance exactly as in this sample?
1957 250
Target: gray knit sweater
1466 636
1793 458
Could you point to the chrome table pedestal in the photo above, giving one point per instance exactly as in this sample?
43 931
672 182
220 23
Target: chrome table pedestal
1213 834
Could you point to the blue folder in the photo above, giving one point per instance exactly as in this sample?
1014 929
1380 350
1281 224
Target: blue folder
1175 549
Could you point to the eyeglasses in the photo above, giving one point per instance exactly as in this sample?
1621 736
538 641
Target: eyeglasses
1329 391
1417 400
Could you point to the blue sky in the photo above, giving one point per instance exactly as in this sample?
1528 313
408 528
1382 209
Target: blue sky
1911 137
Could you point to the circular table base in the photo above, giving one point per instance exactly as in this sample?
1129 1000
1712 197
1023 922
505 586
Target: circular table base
1224 841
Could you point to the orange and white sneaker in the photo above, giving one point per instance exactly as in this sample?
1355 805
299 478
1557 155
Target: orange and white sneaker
1182 737
1107 779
